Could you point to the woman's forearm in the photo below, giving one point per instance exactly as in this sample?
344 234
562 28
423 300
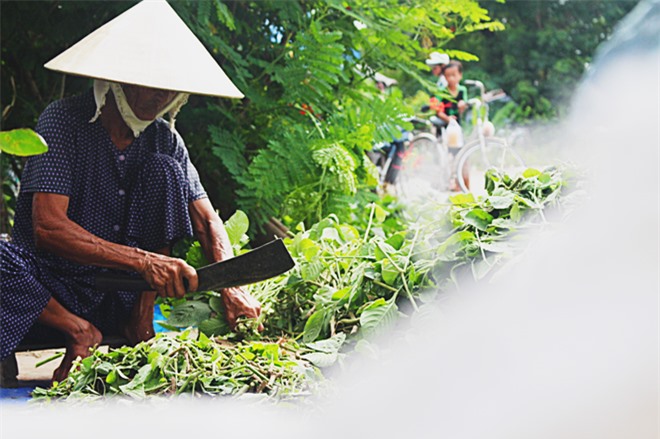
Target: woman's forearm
214 241
210 231
55 232
69 240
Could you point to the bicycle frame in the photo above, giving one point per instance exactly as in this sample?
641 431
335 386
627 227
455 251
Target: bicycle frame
480 109
480 139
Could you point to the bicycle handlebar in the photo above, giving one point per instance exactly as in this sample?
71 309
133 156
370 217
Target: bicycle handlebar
480 85
415 119
474 102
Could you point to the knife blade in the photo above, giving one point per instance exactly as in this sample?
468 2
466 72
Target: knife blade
257 265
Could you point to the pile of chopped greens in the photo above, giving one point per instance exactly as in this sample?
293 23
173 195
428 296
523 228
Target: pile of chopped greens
189 363
351 279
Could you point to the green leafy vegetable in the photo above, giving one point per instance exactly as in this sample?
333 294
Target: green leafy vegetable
167 365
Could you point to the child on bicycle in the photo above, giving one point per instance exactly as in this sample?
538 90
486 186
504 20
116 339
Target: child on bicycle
452 106
448 108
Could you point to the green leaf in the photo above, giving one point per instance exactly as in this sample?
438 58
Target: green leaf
461 55
195 256
237 226
111 377
217 304
312 270
454 243
330 234
224 16
389 272
515 213
396 240
348 232
315 325
531 172
214 326
381 249
497 246
501 198
329 345
462 199
22 142
544 178
380 213
321 359
189 313
308 248
341 294
378 314
139 379
164 324
478 218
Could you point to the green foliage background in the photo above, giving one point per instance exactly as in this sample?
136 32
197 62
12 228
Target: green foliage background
544 52
294 147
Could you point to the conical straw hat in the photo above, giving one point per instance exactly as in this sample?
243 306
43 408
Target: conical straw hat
147 45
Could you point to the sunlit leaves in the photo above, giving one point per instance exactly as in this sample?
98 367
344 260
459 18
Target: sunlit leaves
22 142
237 226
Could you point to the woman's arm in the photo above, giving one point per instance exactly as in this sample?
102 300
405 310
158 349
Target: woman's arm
210 231
212 236
55 232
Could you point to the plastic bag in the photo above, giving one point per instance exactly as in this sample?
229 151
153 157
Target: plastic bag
453 135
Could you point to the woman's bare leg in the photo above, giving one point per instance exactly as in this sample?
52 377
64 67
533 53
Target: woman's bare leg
140 326
79 333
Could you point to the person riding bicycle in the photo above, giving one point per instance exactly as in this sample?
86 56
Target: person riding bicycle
437 61
438 102
451 105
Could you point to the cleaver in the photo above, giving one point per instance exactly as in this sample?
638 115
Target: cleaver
259 264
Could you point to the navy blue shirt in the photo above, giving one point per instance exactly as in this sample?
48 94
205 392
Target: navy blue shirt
83 164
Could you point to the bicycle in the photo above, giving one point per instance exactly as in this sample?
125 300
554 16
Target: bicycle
386 156
424 160
484 151
427 155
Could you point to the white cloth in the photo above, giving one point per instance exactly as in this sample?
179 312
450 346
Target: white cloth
136 125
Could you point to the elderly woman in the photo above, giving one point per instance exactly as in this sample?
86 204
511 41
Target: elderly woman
114 192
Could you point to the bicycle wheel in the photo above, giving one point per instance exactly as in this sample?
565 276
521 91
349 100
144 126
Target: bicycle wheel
423 166
473 162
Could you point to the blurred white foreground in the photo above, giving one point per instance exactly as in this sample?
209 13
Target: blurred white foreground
565 345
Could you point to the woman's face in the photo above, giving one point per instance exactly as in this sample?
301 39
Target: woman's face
147 102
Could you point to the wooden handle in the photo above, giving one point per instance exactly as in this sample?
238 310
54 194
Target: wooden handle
120 282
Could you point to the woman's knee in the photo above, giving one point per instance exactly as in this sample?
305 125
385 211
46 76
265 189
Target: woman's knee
15 261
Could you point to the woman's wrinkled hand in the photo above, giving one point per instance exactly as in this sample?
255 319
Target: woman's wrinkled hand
239 303
166 275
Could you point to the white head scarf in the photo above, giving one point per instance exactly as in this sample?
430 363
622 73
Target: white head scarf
136 125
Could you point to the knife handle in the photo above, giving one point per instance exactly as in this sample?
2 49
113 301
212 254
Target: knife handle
123 282
120 282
